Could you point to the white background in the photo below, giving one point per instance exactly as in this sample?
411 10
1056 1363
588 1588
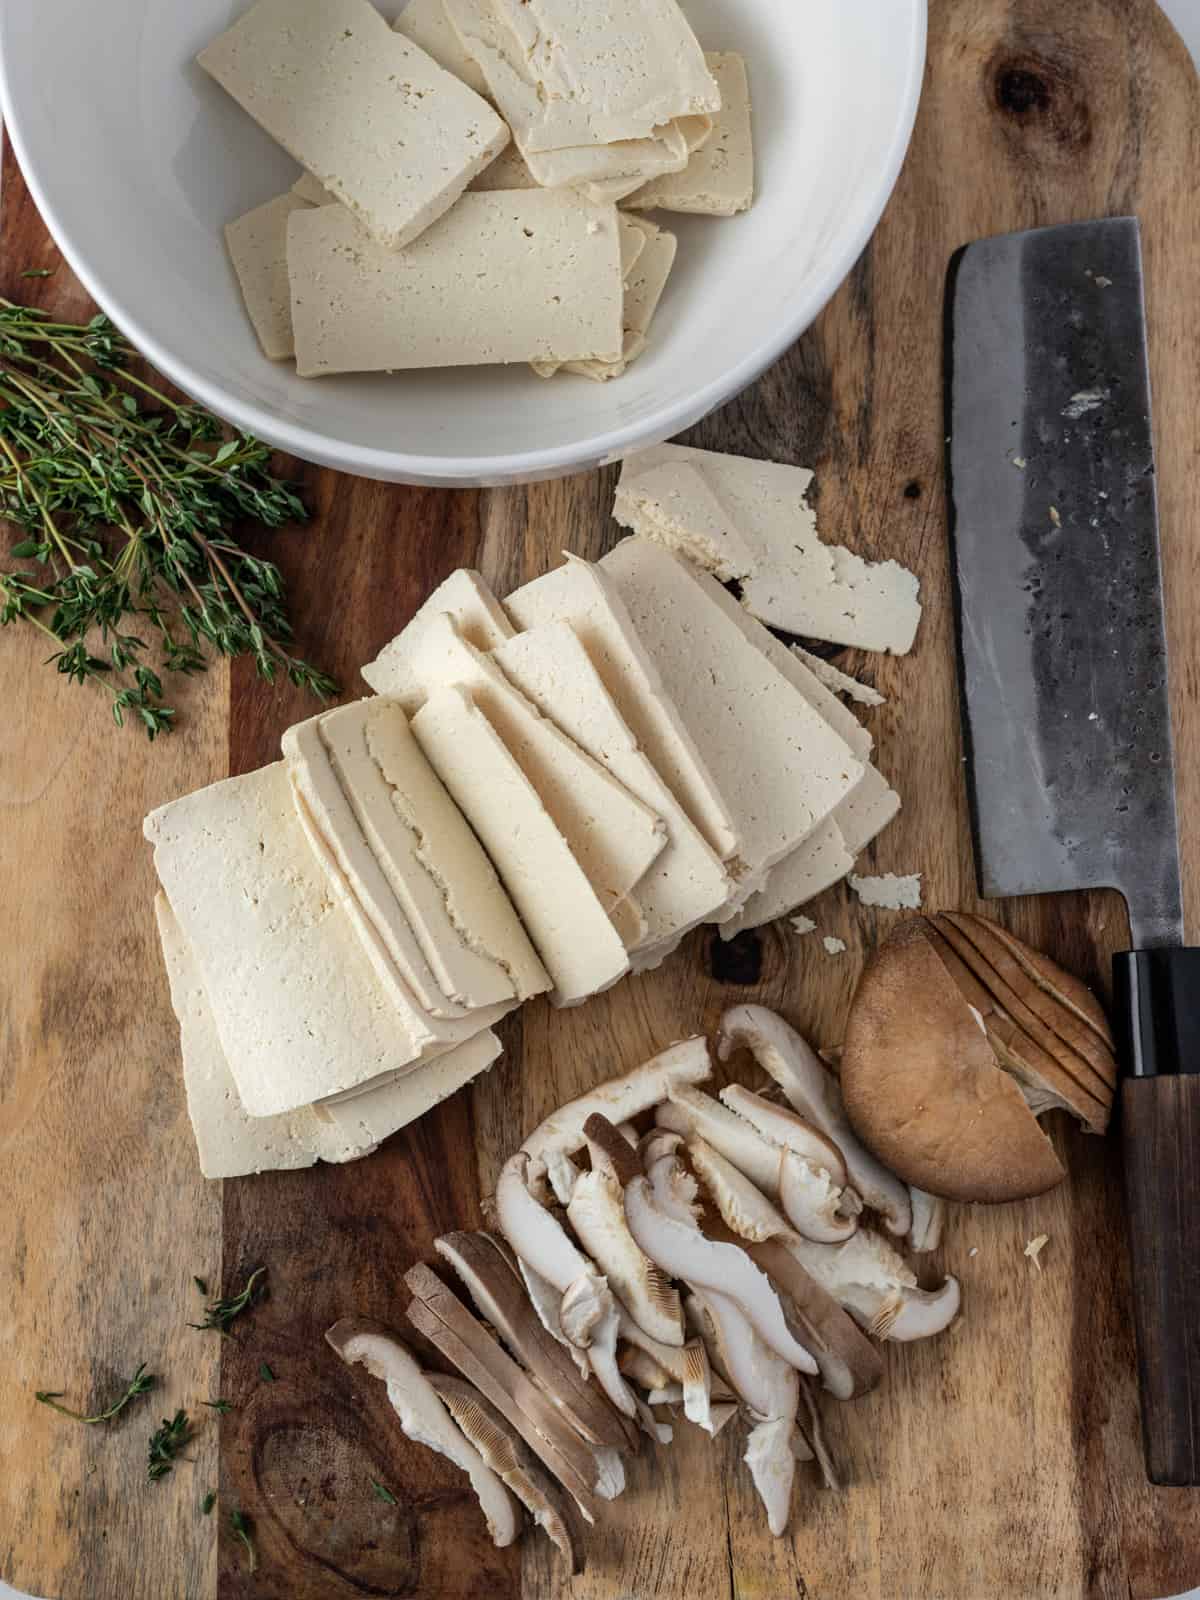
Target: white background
1186 16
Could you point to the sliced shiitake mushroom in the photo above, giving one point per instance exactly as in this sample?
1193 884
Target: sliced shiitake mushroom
502 1449
424 1417
436 1312
812 1091
922 1085
491 1277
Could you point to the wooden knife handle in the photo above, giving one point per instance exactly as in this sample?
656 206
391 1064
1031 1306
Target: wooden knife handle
1161 1132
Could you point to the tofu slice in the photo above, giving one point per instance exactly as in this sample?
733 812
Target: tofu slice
687 884
585 596
780 767
828 855
374 119
872 803
426 23
572 931
478 616
421 889
607 72
797 583
312 191
268 935
838 681
644 284
510 170
257 245
493 46
612 835
231 1144
820 862
718 180
524 275
672 502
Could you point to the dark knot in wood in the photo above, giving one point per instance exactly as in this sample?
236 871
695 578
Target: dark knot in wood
737 960
1040 94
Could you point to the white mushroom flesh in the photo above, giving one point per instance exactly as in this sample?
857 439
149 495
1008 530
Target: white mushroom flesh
694 1114
813 1091
562 1174
773 1468
425 1419
928 1221
618 1099
670 1394
689 1367
877 1287
546 1302
814 1205
533 1232
685 1253
783 1127
597 1214
767 1384
742 1205
610 1472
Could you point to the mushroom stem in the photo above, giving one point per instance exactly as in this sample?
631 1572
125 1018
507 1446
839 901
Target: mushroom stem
928 1221
813 1091
424 1417
684 1252
876 1286
773 1468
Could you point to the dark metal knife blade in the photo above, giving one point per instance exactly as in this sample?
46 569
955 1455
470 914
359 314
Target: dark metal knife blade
1055 528
1063 659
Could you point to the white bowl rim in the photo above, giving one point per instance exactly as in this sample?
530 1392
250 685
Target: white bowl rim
451 471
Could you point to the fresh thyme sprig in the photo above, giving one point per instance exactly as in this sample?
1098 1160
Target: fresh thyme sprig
141 1383
222 1312
126 499
243 1530
166 1443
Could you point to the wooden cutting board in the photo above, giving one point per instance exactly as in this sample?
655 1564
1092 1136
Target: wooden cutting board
1000 1460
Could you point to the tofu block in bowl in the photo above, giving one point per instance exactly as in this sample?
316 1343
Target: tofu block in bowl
520 275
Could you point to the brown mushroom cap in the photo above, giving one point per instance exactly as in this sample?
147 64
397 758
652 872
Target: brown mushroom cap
922 1086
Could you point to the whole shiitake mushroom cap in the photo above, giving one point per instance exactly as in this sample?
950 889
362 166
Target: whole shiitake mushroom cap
923 1088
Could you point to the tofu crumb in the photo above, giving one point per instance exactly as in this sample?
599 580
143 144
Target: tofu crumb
890 891
1020 463
803 925
1102 282
973 1251
1054 517
1035 1247
833 947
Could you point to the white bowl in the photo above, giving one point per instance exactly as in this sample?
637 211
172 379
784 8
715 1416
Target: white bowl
136 160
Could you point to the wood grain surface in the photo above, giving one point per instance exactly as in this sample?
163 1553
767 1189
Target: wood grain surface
1001 1460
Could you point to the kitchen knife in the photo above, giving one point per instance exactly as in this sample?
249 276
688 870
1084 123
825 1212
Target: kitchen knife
1063 659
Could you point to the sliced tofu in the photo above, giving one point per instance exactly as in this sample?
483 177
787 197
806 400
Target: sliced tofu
523 275
232 1144
687 884
586 597
427 24
417 876
866 809
510 170
572 931
628 163
374 119
268 935
312 192
718 180
838 681
477 614
780 767
257 245
644 285
609 72
672 502
613 836
796 582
